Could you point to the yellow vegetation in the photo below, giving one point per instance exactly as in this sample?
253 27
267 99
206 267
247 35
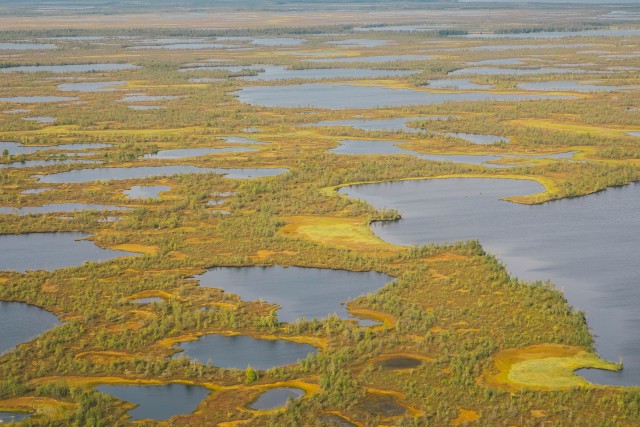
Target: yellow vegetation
466 416
346 233
544 366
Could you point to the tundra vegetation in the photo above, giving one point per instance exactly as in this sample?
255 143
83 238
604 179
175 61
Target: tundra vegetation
457 340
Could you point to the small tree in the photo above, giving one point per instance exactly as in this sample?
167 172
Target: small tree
250 375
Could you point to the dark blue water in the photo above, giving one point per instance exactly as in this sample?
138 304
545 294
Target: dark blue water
276 398
20 322
588 246
50 251
301 292
158 402
240 351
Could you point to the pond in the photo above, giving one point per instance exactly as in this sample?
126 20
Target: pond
239 351
185 46
15 148
336 96
19 164
587 246
367 146
158 402
276 398
274 72
475 138
148 98
142 172
529 46
557 34
184 153
372 59
148 300
400 124
20 322
58 208
51 251
277 41
89 87
40 119
572 86
360 43
634 134
27 46
145 191
301 292
38 99
12 417
71 68
489 71
456 84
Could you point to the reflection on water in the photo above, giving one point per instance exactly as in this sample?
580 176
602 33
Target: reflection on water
587 246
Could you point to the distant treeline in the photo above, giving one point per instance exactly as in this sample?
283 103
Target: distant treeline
552 29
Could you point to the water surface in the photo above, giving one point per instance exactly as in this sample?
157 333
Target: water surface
38 99
11 417
274 72
158 402
20 322
142 172
490 71
335 96
456 84
58 208
372 59
301 292
587 246
240 351
360 43
184 153
72 68
90 86
572 86
27 46
51 251
145 191
276 398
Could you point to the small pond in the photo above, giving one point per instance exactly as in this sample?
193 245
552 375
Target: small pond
335 96
58 207
273 72
38 99
27 46
489 71
158 402
51 251
456 84
142 172
184 153
73 68
276 398
371 59
90 86
239 351
572 86
20 322
145 191
301 292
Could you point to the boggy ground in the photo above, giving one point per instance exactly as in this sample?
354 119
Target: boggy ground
491 350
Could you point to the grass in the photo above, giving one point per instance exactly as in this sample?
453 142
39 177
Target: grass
544 366
345 233
579 128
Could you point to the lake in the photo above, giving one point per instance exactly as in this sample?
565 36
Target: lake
336 96
301 292
51 251
587 246
20 322
158 402
143 172
58 207
184 153
71 68
273 72
239 351
145 191
276 398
